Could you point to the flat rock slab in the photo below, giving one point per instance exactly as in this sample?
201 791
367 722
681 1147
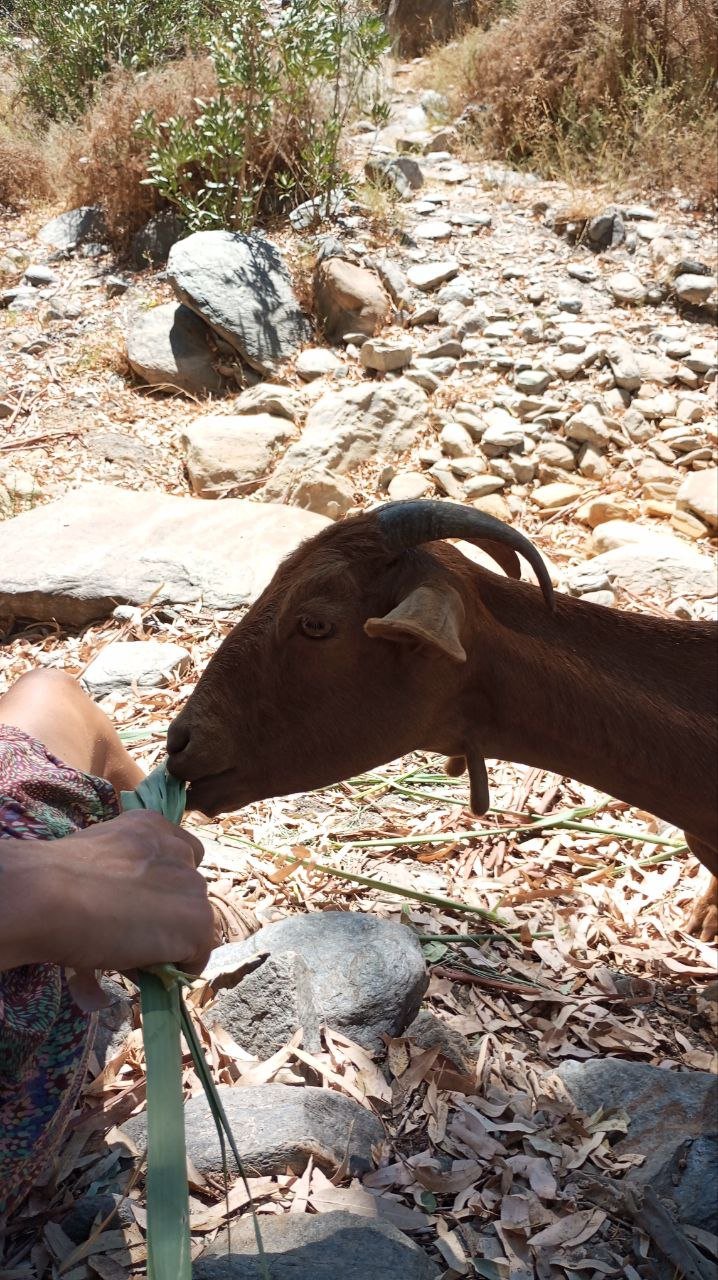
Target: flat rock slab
326 1246
673 1122
241 287
75 559
368 976
646 561
277 1127
429 275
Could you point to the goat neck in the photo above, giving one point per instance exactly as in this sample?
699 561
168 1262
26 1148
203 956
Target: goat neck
621 701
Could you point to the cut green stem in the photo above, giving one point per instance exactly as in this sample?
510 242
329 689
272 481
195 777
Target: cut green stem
168 1237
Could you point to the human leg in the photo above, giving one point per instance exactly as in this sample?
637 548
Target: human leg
52 707
61 765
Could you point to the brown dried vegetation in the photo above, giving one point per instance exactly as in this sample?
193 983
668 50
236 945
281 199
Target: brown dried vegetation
24 174
625 86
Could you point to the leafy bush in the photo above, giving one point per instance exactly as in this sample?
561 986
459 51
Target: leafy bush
105 159
270 136
598 88
72 45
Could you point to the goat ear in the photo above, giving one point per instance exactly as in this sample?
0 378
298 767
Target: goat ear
432 614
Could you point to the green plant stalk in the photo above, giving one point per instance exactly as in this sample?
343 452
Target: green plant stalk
625 833
223 1127
168 1237
382 886
562 821
164 1013
456 939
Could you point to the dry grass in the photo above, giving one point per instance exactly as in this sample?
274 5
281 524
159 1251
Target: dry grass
106 160
599 87
24 172
25 168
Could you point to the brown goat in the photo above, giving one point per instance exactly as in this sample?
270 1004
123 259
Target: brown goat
375 639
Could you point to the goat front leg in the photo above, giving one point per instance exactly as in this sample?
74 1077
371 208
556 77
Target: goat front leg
702 921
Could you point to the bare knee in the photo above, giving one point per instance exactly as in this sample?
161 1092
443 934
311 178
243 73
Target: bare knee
40 690
45 680
51 706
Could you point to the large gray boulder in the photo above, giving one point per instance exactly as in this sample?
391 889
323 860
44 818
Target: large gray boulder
152 243
268 1004
366 977
349 427
326 1246
168 347
277 1127
241 287
673 1122
73 227
112 546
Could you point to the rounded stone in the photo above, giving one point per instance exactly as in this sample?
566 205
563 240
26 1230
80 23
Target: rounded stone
409 485
627 288
367 975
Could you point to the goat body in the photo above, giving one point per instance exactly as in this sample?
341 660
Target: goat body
354 656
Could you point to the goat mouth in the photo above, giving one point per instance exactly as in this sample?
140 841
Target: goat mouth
216 793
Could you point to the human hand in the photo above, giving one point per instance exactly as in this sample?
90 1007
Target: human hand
126 894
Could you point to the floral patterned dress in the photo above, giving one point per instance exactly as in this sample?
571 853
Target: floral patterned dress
45 1039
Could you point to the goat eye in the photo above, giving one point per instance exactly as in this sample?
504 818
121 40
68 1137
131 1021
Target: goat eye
315 628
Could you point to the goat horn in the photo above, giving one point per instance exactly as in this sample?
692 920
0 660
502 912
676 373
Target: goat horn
409 524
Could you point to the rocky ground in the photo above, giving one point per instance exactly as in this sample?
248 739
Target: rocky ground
493 1104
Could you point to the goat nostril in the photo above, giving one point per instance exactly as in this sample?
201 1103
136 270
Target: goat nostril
178 737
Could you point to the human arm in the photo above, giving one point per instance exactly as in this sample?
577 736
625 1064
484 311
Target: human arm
119 895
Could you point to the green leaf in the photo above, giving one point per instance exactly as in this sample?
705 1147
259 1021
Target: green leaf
434 951
164 1014
158 791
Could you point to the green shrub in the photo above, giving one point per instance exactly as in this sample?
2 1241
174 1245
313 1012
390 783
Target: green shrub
270 136
104 159
73 45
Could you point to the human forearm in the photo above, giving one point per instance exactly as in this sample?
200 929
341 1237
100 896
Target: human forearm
121 894
25 903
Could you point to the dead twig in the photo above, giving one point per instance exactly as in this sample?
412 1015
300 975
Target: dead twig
32 442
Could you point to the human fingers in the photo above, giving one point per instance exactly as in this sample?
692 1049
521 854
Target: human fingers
205 938
150 828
